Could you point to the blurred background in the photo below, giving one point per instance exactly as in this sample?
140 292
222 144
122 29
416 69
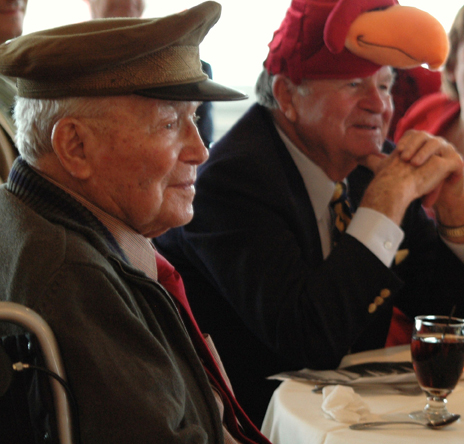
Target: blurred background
235 47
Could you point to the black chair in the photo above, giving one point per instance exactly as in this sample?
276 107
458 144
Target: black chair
36 405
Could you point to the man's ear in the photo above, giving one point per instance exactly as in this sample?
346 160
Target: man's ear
283 90
70 139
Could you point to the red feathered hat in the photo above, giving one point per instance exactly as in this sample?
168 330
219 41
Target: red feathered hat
337 39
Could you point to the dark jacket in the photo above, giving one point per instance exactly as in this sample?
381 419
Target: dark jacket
128 358
252 264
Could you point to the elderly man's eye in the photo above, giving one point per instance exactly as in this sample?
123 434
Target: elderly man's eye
387 87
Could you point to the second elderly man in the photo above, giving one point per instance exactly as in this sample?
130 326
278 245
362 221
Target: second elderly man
265 272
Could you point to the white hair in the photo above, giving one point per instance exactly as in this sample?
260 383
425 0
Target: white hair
265 95
36 118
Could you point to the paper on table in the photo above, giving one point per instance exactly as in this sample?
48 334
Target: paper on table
360 374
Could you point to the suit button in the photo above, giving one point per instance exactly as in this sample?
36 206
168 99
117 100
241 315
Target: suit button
378 301
385 293
372 308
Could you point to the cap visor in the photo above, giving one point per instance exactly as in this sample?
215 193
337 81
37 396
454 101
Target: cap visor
205 91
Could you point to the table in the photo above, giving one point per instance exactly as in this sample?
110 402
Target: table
294 415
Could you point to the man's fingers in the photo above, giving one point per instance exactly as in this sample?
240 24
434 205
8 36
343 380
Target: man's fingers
411 141
416 147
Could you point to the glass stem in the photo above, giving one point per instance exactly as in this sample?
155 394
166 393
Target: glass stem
435 405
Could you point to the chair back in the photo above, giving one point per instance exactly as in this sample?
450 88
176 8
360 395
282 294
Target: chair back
51 407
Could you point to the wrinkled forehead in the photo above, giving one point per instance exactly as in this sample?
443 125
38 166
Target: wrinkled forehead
134 104
176 106
384 74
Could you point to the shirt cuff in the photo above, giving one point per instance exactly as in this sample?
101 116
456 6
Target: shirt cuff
378 233
457 249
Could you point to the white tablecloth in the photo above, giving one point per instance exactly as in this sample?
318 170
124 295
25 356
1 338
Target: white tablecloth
294 415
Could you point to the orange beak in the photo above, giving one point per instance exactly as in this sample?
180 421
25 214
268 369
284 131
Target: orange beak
386 37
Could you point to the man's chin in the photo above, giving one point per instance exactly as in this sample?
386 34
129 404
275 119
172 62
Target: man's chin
182 219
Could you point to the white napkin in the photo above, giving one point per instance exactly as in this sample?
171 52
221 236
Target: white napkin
344 405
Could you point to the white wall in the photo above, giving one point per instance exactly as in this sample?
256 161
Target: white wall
236 46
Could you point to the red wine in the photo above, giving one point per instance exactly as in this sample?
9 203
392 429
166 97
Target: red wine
438 362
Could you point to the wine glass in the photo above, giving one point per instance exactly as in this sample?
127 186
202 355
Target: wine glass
437 350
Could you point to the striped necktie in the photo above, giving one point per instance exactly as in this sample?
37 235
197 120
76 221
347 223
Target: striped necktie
342 211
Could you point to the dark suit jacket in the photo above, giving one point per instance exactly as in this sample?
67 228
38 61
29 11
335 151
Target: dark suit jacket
256 279
205 113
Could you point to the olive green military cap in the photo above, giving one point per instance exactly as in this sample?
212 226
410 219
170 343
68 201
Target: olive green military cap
156 57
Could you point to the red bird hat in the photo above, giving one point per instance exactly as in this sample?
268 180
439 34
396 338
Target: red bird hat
342 39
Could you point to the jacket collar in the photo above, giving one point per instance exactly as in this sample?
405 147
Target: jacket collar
57 206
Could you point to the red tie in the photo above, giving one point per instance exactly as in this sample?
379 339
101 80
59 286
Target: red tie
233 413
400 331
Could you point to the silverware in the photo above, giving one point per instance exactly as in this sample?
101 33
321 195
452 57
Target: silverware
430 424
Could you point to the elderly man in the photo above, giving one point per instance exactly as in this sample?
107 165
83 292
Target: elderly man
265 265
11 25
109 150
